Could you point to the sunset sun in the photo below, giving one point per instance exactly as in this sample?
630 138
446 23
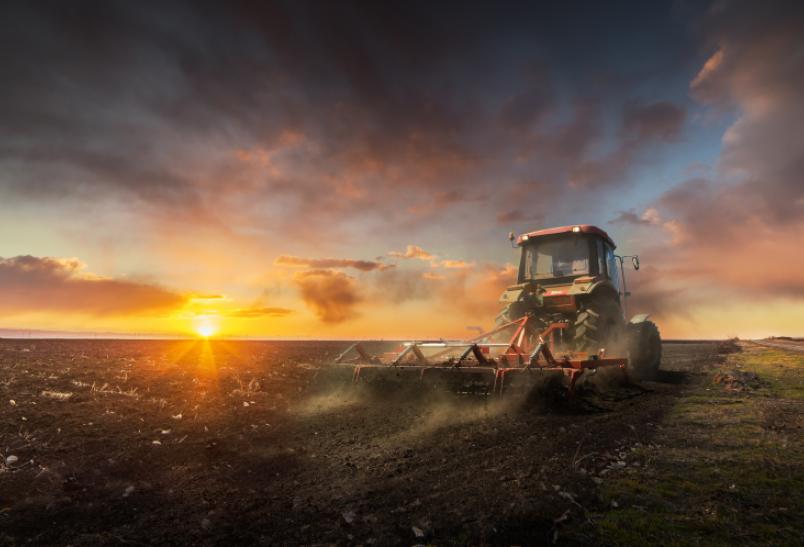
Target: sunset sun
206 330
206 326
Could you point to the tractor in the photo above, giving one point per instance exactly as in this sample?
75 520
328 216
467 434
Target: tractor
571 274
564 319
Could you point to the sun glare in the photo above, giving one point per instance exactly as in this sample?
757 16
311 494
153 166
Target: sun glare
206 325
205 330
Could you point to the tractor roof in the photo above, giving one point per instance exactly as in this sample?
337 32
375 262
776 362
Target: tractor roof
582 228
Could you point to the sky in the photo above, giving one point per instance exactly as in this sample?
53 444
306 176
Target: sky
352 169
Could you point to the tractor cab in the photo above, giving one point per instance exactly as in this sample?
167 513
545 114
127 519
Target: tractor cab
564 255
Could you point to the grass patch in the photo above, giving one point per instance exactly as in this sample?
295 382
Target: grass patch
728 467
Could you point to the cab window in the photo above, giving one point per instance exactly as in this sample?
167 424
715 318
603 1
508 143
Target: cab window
613 268
557 258
601 258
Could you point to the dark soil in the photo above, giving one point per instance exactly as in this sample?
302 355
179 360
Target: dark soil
190 442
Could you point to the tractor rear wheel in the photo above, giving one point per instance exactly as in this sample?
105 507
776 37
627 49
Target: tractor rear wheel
645 352
597 324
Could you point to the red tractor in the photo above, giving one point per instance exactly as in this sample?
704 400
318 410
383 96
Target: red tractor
563 319
572 275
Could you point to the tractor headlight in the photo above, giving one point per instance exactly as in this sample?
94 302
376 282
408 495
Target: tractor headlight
576 229
525 238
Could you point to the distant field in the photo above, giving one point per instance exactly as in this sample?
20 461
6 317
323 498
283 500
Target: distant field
189 442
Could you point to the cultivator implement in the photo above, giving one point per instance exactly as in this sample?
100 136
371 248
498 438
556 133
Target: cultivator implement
516 357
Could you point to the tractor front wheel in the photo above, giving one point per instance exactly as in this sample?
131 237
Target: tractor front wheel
645 352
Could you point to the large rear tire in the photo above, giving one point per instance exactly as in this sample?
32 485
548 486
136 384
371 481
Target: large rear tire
645 352
597 325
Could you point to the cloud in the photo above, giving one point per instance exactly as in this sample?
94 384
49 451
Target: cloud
476 293
259 311
456 264
516 215
737 229
650 217
412 251
660 120
641 126
299 262
208 114
332 296
203 296
397 286
654 292
38 284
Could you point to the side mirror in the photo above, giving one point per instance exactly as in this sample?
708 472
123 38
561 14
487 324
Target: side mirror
635 262
512 239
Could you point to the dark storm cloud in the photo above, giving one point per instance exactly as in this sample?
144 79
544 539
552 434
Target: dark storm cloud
36 284
318 110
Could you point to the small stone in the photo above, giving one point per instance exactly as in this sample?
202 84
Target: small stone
12 402
349 516
418 532
128 491
157 443
597 480
206 524
10 460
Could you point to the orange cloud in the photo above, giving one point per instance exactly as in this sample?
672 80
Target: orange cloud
300 262
259 311
457 264
333 296
412 251
476 294
33 284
